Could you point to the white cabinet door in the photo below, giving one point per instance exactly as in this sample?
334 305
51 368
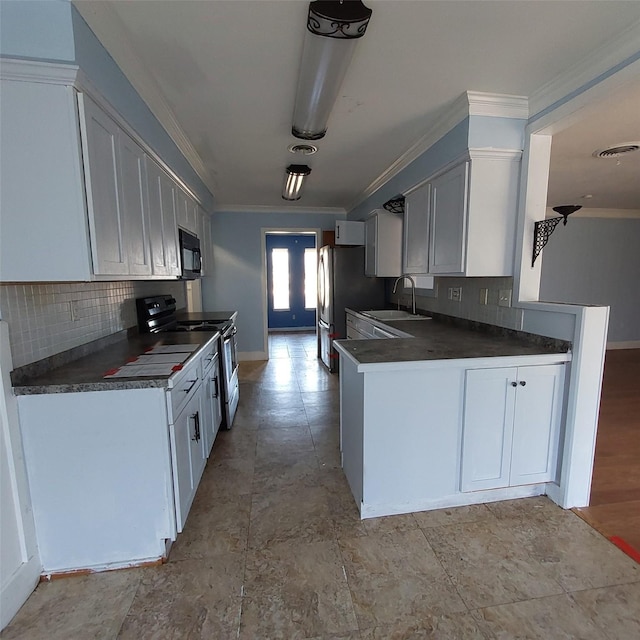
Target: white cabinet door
349 232
188 459
163 228
383 245
134 205
187 211
415 254
106 214
447 233
536 424
511 426
212 407
370 246
488 428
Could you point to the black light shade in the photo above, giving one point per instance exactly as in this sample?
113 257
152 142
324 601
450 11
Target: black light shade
333 28
294 180
566 210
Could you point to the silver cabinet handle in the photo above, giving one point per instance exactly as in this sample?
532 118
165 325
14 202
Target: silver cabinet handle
196 426
215 387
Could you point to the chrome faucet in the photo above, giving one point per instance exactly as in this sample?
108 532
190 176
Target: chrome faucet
413 292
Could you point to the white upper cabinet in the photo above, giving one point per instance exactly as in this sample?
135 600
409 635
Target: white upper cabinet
162 222
415 246
383 245
116 195
134 206
75 187
473 214
349 232
104 195
187 212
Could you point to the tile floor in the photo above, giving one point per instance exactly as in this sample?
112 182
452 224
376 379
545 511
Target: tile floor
273 548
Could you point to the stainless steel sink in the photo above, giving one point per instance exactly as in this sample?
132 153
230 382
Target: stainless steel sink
392 314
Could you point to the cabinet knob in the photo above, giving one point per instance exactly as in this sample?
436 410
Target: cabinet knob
514 384
523 383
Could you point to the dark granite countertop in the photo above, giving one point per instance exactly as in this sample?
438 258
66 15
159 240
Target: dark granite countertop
87 373
439 340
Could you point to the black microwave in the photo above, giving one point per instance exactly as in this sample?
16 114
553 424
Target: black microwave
190 255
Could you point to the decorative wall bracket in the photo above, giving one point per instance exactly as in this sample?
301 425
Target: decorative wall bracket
544 228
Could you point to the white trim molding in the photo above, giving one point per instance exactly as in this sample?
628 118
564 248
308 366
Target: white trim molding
628 344
497 105
469 103
597 62
34 71
261 208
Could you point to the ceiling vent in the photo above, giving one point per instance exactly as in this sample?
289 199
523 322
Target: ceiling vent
617 150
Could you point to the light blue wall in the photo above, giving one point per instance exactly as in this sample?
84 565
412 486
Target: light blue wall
40 30
105 74
53 31
448 148
237 280
472 132
596 261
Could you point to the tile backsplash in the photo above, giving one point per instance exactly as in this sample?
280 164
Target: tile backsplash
48 318
469 305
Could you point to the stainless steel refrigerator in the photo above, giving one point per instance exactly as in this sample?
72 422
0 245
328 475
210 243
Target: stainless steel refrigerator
342 283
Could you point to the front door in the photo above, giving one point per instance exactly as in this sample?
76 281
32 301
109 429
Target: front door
291 281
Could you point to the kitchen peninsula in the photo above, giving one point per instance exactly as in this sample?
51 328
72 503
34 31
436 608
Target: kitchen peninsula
450 416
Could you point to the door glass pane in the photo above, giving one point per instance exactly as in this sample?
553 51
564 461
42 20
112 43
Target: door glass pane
310 279
280 268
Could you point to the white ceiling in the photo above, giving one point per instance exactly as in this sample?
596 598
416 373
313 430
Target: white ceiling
227 71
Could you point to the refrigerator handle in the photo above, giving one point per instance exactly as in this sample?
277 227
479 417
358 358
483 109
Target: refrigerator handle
324 325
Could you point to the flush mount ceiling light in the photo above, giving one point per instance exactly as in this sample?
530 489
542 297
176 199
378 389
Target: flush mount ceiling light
544 228
294 179
333 28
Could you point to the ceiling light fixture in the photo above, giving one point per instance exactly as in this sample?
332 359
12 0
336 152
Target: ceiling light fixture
333 28
544 228
294 180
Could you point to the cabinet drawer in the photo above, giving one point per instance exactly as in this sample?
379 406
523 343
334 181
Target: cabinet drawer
186 387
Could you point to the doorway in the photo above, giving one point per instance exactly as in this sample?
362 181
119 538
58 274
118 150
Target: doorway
291 281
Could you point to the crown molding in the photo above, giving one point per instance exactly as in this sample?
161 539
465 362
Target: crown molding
497 105
495 153
469 103
35 71
108 28
598 62
262 208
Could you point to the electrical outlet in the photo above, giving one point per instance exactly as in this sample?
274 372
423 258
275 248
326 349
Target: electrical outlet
74 310
484 296
456 294
504 298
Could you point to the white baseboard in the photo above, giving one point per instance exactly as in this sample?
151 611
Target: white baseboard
18 588
629 344
252 355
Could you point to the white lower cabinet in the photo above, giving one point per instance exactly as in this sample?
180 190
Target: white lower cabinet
113 474
188 453
511 426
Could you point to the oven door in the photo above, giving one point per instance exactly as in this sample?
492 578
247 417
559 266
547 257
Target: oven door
230 367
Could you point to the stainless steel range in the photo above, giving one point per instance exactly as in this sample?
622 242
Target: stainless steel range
157 314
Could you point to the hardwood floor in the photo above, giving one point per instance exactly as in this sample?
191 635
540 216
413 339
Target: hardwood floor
614 509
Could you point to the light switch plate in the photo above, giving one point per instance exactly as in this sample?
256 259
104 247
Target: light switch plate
484 296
